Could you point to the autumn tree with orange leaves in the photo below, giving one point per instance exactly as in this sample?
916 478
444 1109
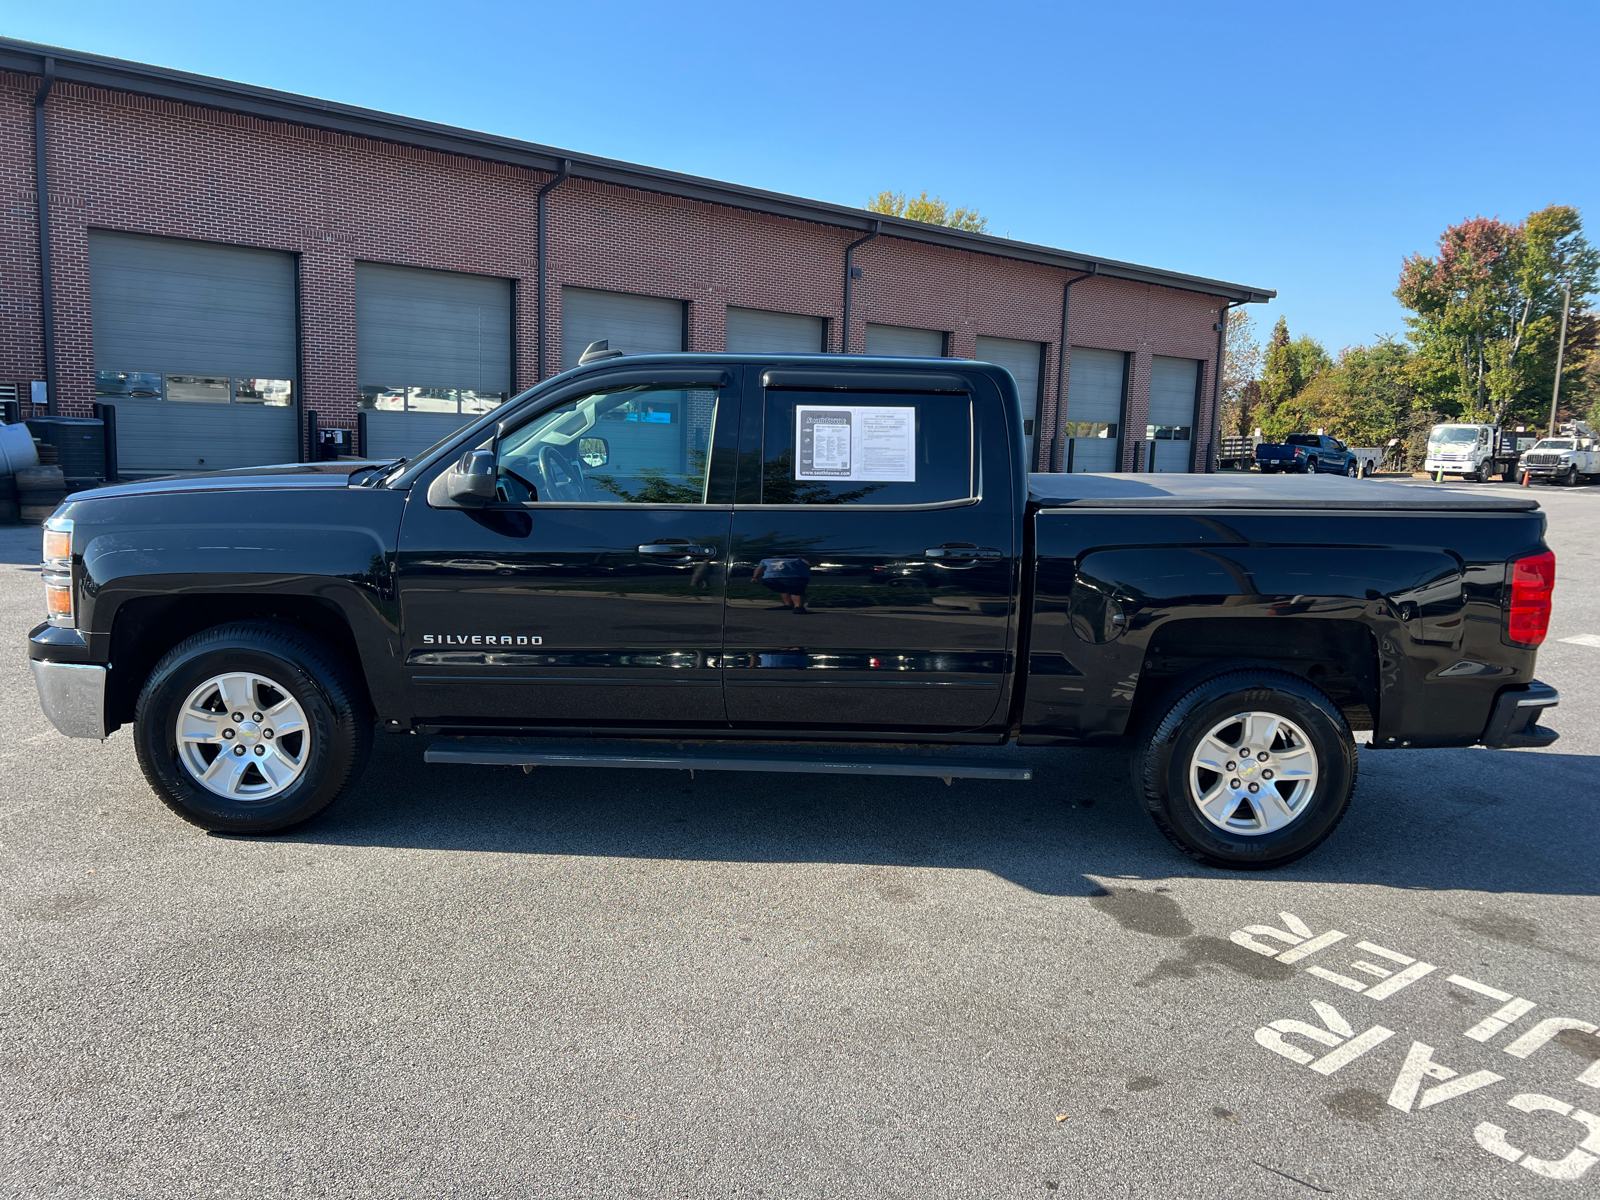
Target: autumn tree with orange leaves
1487 311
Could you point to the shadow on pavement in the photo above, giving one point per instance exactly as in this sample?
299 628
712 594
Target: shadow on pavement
1434 819
20 544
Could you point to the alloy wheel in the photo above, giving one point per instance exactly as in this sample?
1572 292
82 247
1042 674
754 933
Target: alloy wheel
1253 773
243 736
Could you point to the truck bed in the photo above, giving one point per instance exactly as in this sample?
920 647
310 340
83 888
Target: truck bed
1256 491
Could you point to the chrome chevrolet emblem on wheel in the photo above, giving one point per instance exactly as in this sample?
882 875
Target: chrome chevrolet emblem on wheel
1253 773
242 736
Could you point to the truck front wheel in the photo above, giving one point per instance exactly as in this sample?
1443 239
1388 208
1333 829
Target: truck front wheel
251 728
1249 770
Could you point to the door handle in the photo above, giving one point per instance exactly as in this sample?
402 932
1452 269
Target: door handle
962 552
677 550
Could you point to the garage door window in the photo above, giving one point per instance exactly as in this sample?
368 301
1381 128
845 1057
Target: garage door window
193 389
274 393
198 389
1091 429
142 384
466 401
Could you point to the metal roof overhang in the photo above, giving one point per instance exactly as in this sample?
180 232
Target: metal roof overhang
120 75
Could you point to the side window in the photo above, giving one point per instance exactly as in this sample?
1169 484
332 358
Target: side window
866 448
634 445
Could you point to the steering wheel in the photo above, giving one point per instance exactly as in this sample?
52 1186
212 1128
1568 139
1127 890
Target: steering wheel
562 479
531 493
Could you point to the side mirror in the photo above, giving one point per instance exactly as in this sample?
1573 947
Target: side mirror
471 481
594 451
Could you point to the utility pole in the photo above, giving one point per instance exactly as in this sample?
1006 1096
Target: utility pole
1561 349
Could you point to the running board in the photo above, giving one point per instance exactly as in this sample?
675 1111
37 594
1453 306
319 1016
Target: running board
498 754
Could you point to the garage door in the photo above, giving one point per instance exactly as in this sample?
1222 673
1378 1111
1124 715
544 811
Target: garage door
433 353
194 343
1174 393
755 331
1094 408
896 341
1022 360
632 324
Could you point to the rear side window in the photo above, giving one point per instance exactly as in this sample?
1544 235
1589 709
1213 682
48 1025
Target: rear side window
1302 439
866 448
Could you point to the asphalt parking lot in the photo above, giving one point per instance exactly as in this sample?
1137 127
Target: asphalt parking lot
468 982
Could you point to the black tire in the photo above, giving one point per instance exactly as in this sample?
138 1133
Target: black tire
339 724
1352 469
1310 467
1162 755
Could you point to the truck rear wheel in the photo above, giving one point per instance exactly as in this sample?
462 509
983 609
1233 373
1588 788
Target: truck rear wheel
1248 770
251 728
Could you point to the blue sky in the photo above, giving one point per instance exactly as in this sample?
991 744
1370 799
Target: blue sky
1302 147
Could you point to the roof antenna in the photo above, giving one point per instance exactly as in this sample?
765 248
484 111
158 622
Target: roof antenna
598 351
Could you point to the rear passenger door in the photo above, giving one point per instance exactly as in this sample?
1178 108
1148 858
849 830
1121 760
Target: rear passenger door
873 558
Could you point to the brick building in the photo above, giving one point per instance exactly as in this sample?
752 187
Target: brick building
223 261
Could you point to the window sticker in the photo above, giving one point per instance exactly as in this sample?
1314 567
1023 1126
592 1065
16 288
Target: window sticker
857 442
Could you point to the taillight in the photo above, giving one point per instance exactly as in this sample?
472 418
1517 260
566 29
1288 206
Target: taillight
1533 579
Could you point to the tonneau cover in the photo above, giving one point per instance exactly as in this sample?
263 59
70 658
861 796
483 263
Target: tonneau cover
1241 490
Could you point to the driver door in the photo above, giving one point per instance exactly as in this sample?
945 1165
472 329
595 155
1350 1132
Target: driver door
591 591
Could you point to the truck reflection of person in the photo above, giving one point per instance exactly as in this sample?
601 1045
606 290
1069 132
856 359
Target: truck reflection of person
787 575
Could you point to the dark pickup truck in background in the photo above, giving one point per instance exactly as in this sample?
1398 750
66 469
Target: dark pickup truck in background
1309 454
709 562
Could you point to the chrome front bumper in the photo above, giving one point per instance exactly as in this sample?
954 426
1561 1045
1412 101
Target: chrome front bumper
73 696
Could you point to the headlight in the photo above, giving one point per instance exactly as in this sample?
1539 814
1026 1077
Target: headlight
57 572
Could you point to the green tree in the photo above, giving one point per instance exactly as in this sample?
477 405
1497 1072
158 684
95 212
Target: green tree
930 209
1288 366
1487 313
1365 398
1242 357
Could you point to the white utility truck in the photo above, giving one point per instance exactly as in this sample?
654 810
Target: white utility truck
1571 458
1475 452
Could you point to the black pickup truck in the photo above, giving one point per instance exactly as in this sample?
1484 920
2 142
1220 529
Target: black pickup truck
821 563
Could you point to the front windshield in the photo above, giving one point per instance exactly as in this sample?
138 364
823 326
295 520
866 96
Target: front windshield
1554 444
1448 434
